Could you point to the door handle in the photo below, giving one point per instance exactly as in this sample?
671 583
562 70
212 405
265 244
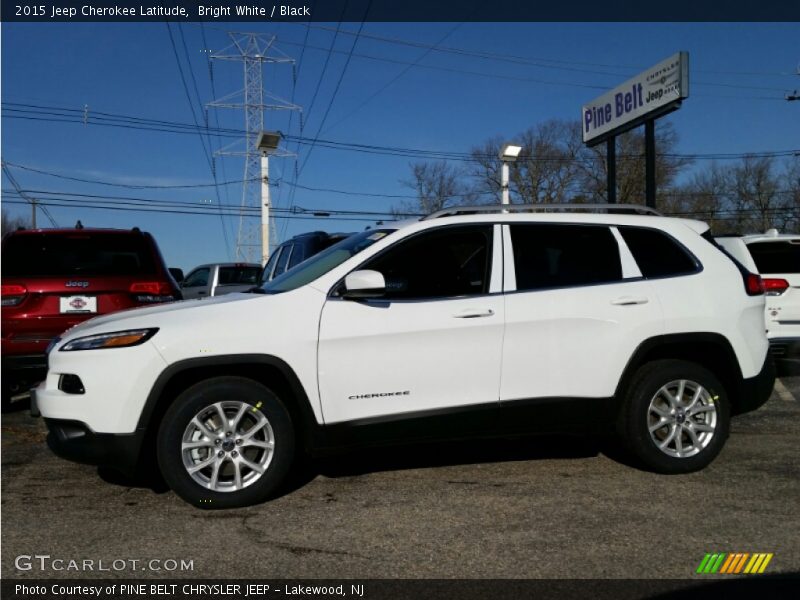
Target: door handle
629 301
474 313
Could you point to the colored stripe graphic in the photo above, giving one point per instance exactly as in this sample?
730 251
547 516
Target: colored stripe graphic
740 564
718 563
703 563
764 564
734 563
726 565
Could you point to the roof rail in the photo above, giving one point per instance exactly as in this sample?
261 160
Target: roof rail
490 208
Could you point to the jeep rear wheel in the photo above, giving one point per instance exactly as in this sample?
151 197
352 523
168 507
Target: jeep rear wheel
676 416
225 442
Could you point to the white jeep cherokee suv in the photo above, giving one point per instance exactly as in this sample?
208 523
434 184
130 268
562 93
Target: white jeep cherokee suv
775 256
483 321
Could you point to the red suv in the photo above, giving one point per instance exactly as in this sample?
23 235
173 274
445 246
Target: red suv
56 278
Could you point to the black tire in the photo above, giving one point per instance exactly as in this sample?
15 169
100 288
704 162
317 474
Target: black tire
255 401
637 417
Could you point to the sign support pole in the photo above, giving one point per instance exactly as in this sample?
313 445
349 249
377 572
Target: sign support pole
650 162
611 169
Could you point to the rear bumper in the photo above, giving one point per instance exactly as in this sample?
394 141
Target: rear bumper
786 353
757 390
75 441
24 369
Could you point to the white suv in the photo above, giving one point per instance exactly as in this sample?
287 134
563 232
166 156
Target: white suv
483 321
776 256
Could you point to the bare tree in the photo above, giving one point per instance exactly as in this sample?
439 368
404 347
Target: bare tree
757 194
437 185
545 171
752 195
12 223
706 196
631 165
485 171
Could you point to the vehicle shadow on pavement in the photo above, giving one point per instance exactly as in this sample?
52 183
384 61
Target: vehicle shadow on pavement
150 479
395 458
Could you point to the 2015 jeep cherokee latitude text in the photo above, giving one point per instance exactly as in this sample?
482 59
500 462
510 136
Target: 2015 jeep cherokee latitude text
471 322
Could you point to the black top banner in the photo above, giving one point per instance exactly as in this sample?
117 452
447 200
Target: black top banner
39 11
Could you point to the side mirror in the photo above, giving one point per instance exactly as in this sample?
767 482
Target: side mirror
364 284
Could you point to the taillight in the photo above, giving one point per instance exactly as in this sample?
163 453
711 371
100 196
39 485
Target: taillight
775 287
152 291
151 287
753 284
12 294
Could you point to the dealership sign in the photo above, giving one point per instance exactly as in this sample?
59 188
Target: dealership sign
652 93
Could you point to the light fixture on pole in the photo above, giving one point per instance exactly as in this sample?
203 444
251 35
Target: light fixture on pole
509 153
266 143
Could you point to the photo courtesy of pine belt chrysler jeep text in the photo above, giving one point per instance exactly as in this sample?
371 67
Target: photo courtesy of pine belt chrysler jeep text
471 322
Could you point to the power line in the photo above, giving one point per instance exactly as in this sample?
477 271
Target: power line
537 62
394 79
130 186
306 214
44 113
335 90
206 151
32 201
84 197
317 214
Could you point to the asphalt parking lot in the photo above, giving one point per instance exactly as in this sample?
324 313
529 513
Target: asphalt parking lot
545 508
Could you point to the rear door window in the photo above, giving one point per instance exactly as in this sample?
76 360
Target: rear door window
657 254
77 254
776 257
551 256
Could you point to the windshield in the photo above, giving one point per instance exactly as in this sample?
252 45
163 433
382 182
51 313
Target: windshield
316 266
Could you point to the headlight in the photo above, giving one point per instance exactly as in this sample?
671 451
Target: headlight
117 339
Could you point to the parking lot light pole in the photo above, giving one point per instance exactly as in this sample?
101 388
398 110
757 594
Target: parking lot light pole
267 142
508 154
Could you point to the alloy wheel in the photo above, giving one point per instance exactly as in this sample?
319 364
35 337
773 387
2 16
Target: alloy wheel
228 446
682 418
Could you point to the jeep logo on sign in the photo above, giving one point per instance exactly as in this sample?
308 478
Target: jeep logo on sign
78 284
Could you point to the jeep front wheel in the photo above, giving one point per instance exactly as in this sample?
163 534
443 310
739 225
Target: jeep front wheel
225 442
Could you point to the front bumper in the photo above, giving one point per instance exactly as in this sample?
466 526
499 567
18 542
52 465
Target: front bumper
757 390
75 441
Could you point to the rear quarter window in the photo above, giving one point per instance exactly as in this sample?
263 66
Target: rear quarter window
776 257
658 254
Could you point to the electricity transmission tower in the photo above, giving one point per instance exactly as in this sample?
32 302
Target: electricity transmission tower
253 50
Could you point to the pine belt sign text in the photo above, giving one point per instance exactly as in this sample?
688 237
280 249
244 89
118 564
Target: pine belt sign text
653 92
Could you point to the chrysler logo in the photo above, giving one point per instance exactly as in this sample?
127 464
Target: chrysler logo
78 284
78 303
